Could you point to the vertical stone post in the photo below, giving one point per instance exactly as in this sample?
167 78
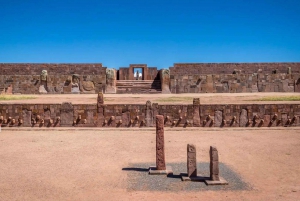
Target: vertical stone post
111 80
196 112
149 114
160 143
191 165
191 161
214 163
100 109
214 178
165 81
161 167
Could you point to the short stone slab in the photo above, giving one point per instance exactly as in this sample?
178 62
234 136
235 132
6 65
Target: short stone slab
154 171
222 181
200 178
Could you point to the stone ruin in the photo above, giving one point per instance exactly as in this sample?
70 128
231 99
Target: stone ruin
214 178
101 114
180 78
160 167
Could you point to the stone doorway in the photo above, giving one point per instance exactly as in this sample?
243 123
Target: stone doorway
138 73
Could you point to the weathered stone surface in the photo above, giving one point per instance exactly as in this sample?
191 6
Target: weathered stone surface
160 143
26 116
218 118
214 164
243 118
191 161
149 114
88 85
196 112
165 81
110 81
100 99
67 114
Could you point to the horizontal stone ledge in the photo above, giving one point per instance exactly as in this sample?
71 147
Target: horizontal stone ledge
4 129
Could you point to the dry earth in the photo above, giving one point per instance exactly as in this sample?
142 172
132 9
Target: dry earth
217 98
67 164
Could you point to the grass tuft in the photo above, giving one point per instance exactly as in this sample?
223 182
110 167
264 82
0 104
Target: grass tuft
175 99
279 98
15 97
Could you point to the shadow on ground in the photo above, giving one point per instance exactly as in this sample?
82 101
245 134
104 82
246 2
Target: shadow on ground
138 179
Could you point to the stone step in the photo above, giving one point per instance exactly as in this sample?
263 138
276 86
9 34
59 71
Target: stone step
138 86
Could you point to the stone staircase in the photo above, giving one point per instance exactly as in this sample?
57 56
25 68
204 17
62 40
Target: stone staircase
138 86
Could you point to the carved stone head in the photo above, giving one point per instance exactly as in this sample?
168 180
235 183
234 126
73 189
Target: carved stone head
75 78
44 75
110 73
166 72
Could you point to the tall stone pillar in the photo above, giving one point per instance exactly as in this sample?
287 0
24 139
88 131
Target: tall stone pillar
160 143
149 114
214 178
191 161
165 81
161 167
196 112
214 164
191 165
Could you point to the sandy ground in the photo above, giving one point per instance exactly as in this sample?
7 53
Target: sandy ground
211 98
87 164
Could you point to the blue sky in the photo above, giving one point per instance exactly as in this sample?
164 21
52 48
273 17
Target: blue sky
156 32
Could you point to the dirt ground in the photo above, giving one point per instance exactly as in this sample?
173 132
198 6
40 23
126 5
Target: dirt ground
67 164
211 98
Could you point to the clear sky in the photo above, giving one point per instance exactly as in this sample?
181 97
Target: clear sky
156 32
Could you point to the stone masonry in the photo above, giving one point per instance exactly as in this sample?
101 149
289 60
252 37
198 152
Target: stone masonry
181 78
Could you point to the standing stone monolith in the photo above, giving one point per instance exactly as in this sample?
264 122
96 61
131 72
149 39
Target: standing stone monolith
160 143
191 161
214 178
191 174
161 167
214 164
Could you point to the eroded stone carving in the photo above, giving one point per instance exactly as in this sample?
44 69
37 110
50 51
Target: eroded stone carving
165 80
160 143
67 114
191 161
160 149
214 164
215 178
43 82
44 75
111 81
75 83
243 118
88 85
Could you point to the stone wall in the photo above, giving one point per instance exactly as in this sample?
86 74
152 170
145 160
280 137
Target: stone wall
26 78
235 83
143 115
229 68
182 78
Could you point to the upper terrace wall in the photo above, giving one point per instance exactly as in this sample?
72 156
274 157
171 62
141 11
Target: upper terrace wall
26 78
235 77
53 69
182 78
229 68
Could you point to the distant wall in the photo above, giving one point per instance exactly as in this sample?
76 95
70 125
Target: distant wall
53 69
182 78
229 68
235 78
26 78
